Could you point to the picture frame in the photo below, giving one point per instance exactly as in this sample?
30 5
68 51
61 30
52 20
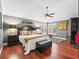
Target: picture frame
62 25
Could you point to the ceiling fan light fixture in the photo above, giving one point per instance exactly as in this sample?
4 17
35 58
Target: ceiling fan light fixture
49 14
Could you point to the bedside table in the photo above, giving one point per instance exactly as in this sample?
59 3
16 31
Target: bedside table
13 39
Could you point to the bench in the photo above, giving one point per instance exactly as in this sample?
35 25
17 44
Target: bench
43 45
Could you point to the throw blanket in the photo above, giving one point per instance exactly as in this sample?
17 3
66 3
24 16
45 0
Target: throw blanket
77 38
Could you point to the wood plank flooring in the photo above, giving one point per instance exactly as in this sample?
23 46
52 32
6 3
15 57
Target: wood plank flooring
58 51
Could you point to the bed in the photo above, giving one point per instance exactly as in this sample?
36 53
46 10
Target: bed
29 41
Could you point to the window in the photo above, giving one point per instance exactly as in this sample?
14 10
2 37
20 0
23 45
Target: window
52 28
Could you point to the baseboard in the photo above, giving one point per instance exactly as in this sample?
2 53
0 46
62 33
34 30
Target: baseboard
5 44
60 38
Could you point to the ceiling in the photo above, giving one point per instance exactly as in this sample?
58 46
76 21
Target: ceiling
35 9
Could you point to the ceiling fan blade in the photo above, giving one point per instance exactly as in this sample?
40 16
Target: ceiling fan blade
46 14
52 14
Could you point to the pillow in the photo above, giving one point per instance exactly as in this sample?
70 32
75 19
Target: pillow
23 32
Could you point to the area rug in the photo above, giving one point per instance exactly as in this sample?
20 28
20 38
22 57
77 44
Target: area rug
57 41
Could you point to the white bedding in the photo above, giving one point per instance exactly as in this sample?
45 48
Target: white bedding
31 44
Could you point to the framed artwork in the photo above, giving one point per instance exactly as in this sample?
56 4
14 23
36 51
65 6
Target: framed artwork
62 25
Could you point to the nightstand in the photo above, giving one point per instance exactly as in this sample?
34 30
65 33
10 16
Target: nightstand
13 39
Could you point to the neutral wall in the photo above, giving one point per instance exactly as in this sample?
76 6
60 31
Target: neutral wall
0 6
1 39
0 29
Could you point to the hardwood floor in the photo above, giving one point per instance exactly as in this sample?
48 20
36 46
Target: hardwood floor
58 51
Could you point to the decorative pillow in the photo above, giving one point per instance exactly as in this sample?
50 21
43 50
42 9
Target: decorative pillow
23 32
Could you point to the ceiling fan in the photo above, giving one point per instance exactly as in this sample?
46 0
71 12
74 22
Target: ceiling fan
47 14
